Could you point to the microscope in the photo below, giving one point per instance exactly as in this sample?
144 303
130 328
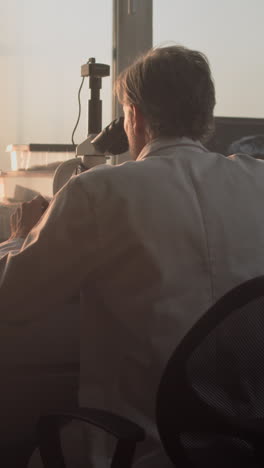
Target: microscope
99 144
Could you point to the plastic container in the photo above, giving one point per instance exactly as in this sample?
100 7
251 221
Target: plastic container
39 157
32 170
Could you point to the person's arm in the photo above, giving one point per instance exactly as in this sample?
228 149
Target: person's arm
26 216
55 258
22 220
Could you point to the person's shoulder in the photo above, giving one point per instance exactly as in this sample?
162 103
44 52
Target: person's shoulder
104 178
243 157
246 160
107 171
237 165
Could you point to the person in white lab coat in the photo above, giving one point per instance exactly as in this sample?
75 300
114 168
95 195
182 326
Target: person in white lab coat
151 243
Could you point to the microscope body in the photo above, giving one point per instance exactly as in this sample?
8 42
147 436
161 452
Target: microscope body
98 144
86 158
86 155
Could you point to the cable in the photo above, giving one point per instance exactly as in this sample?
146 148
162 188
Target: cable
79 115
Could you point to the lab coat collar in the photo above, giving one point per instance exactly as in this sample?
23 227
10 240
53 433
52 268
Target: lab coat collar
157 145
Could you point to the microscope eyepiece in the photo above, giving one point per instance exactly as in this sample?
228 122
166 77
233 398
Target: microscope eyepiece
112 139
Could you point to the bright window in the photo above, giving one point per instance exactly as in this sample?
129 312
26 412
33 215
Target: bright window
230 33
42 47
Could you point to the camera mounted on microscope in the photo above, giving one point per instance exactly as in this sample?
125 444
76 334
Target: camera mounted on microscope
95 71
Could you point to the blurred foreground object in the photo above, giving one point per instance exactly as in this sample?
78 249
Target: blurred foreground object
252 145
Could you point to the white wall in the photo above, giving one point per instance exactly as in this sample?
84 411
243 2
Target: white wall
42 47
44 44
231 34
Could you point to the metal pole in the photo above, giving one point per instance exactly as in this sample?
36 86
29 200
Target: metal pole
132 35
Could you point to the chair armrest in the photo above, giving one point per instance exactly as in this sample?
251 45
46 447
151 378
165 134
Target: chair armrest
127 433
121 428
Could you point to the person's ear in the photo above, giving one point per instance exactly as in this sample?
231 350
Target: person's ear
138 120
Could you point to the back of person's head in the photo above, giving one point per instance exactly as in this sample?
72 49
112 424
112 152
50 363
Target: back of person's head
173 88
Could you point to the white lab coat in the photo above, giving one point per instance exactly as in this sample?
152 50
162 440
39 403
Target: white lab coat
39 366
152 243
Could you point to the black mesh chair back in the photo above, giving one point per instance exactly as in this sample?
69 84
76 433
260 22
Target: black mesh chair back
210 404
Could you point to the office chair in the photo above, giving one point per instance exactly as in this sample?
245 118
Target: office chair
210 402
